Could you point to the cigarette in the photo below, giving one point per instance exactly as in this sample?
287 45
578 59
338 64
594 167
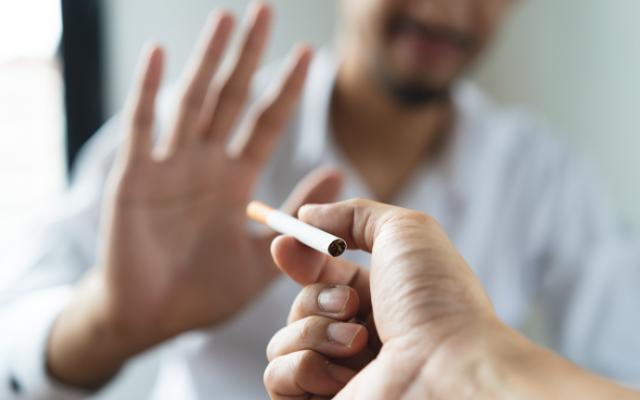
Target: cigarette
284 223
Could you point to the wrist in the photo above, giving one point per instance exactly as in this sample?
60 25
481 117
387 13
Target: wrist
479 359
84 350
502 364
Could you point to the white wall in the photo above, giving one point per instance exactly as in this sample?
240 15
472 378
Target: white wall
576 62
176 24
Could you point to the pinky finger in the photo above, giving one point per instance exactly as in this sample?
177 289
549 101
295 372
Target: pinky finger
142 100
303 375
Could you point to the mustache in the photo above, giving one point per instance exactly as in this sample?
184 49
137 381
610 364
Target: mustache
460 39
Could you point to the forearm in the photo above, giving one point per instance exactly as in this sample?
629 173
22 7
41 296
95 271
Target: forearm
546 375
492 361
528 371
82 350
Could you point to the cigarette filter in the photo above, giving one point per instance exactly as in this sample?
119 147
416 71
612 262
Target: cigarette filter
284 223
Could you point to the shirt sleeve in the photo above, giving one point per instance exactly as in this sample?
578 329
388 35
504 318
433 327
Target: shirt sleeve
589 286
50 261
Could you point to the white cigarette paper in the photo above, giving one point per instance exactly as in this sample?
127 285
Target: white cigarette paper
284 223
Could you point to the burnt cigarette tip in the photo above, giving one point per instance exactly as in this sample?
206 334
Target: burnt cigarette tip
337 247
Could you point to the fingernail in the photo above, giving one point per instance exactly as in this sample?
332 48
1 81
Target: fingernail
342 333
340 373
334 300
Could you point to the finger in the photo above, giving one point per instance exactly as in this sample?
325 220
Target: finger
326 336
320 186
235 91
333 301
304 373
307 266
198 74
357 221
268 119
141 103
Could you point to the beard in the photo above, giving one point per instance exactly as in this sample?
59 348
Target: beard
407 93
411 92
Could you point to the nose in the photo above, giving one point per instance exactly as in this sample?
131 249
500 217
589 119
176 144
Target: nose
449 13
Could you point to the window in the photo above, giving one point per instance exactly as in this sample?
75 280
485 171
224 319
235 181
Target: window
32 157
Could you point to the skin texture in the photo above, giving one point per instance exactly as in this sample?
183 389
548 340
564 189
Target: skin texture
177 253
430 331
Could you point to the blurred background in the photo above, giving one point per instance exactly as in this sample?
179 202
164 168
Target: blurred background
65 67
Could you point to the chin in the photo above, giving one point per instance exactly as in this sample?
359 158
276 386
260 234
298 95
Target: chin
415 83
434 79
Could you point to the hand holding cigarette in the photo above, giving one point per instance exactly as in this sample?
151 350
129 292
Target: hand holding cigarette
418 297
308 234
430 327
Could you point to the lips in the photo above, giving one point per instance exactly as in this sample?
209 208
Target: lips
425 44
428 46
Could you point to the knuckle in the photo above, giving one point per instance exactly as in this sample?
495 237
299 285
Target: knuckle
233 94
141 118
312 291
306 364
305 302
268 120
309 295
360 202
308 329
271 351
269 375
190 99
420 218
397 215
297 309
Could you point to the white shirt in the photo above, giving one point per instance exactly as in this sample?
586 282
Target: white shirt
523 211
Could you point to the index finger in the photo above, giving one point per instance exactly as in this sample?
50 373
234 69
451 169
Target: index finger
268 118
141 102
307 266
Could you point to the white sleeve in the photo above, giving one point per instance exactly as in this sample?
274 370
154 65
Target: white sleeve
589 288
50 261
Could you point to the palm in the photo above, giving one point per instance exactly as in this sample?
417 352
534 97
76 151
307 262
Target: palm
182 221
178 253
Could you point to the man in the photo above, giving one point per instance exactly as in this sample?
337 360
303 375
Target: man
433 332
390 108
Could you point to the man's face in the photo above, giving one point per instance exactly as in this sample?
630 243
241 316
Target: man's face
417 48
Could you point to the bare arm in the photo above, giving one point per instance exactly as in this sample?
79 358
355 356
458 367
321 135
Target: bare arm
429 329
